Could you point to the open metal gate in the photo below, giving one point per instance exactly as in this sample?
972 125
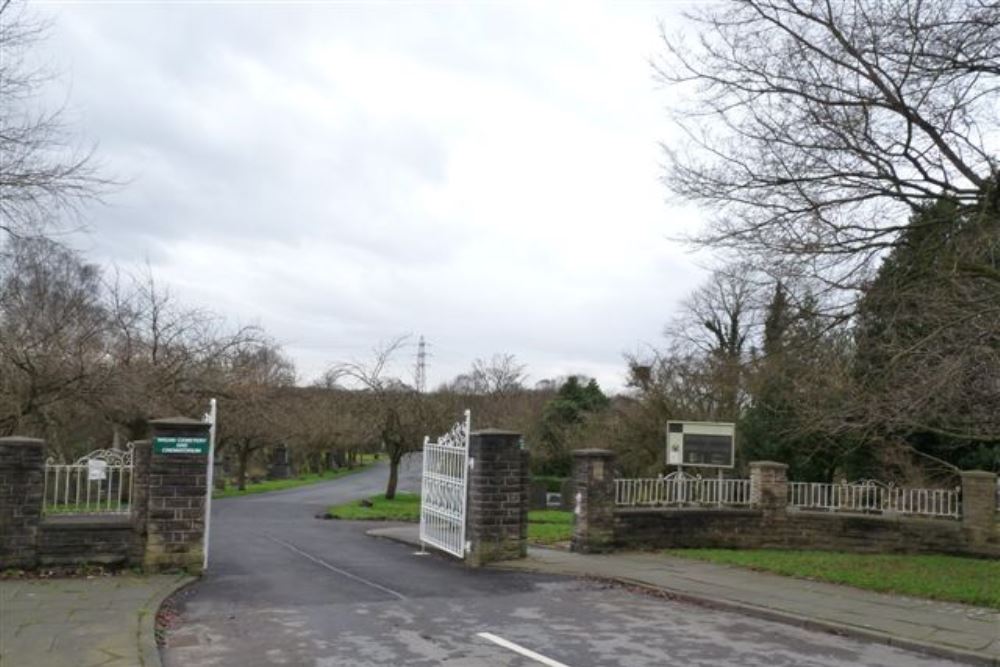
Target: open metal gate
444 489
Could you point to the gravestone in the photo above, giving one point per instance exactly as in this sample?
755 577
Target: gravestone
539 495
278 467
567 492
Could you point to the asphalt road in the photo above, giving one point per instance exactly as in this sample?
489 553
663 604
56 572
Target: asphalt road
284 588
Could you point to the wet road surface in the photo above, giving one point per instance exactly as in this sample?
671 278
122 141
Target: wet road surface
285 588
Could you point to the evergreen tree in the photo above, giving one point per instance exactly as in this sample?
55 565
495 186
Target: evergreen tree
928 337
561 419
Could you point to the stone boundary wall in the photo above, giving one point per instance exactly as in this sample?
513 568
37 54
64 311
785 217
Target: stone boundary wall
162 531
684 528
81 540
687 528
770 523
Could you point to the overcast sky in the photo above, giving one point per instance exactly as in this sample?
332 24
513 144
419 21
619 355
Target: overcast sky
483 174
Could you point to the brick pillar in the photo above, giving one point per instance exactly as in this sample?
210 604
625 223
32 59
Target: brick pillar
979 506
142 451
22 479
769 486
497 522
594 500
178 467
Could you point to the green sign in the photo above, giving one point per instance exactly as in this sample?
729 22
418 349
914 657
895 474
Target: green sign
180 445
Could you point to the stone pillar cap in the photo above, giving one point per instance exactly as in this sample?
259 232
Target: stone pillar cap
768 464
11 439
177 421
596 452
977 473
494 431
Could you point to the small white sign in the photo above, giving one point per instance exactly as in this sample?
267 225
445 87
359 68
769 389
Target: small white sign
97 471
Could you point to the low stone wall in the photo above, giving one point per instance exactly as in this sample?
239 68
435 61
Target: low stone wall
876 534
828 531
687 528
770 523
79 540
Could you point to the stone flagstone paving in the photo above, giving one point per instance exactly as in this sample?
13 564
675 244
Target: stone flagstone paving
81 622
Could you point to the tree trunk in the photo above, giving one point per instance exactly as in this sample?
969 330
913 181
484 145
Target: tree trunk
390 488
241 469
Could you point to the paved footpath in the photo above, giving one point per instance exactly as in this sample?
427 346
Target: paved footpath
942 628
106 621
949 629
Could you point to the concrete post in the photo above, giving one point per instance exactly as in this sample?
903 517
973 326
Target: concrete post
769 486
594 500
22 479
979 506
497 522
178 472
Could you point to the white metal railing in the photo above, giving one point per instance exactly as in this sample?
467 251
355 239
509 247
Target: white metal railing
100 482
681 489
871 496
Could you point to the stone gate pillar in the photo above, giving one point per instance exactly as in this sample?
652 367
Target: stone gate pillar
178 475
979 506
142 452
769 486
22 478
499 494
594 500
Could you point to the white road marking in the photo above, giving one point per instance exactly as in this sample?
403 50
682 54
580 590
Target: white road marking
538 657
336 569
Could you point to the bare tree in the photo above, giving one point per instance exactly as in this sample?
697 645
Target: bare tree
814 128
165 356
251 417
42 173
500 375
718 322
52 333
399 416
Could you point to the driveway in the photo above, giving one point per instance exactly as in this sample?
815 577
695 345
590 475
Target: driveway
284 588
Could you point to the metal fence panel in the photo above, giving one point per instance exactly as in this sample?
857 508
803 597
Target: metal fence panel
871 496
98 483
680 489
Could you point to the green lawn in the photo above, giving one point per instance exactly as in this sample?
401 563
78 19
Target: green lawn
544 526
291 483
404 507
953 578
550 526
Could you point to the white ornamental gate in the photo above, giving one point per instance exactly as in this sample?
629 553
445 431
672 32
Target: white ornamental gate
98 483
444 489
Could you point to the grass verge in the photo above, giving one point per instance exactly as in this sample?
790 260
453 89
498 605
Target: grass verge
302 480
404 507
952 578
544 526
